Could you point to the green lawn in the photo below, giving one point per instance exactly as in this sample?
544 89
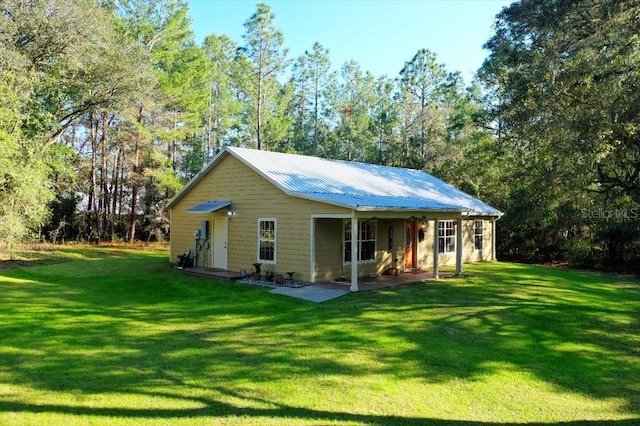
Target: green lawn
117 336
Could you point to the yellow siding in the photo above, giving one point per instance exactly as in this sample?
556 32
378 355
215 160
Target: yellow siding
253 197
470 254
329 265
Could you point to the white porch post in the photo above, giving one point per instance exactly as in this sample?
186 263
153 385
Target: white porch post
436 256
459 247
354 253
493 239
312 251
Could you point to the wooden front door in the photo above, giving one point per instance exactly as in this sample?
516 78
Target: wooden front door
409 245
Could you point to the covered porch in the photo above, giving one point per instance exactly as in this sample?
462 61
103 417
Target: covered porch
413 243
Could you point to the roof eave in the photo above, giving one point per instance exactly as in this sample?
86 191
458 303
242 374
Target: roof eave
407 209
310 197
364 208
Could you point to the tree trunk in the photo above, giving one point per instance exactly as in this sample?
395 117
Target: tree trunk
114 192
104 185
95 198
135 180
316 113
259 118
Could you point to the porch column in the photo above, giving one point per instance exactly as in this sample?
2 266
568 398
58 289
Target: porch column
312 251
354 254
493 239
436 255
459 247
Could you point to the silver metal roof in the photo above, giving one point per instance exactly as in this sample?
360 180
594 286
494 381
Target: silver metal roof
362 187
209 206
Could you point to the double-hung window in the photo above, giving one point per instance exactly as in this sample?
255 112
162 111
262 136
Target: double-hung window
366 240
267 231
478 235
446 236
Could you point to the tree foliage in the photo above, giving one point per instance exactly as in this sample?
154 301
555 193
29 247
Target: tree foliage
563 76
60 61
118 95
265 58
108 107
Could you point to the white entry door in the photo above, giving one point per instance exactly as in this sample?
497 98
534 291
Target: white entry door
220 243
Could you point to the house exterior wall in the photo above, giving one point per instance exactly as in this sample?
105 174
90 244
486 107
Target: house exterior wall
328 239
252 197
469 255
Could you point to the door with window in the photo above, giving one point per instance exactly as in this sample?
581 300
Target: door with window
410 245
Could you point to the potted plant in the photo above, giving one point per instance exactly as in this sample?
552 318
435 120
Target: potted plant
257 273
269 275
393 269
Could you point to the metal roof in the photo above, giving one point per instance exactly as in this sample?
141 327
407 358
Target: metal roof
209 206
357 186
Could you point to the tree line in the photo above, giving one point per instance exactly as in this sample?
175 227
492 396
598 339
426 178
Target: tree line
108 107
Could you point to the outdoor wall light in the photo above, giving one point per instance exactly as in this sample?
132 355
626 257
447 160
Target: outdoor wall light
230 214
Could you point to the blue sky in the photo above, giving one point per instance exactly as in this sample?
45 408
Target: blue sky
379 34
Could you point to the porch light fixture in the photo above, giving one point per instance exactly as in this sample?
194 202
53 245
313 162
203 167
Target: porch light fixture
230 214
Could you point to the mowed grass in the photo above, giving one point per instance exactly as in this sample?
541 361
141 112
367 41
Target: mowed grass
119 337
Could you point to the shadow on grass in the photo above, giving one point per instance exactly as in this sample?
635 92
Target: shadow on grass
576 330
96 327
221 410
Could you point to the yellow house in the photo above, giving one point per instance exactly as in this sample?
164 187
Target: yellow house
314 217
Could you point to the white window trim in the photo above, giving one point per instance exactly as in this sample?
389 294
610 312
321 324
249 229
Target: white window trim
476 234
275 240
445 236
375 241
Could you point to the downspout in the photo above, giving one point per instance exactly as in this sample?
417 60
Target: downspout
312 255
459 247
493 239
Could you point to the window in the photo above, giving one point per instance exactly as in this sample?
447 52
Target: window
478 235
366 240
446 236
267 240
